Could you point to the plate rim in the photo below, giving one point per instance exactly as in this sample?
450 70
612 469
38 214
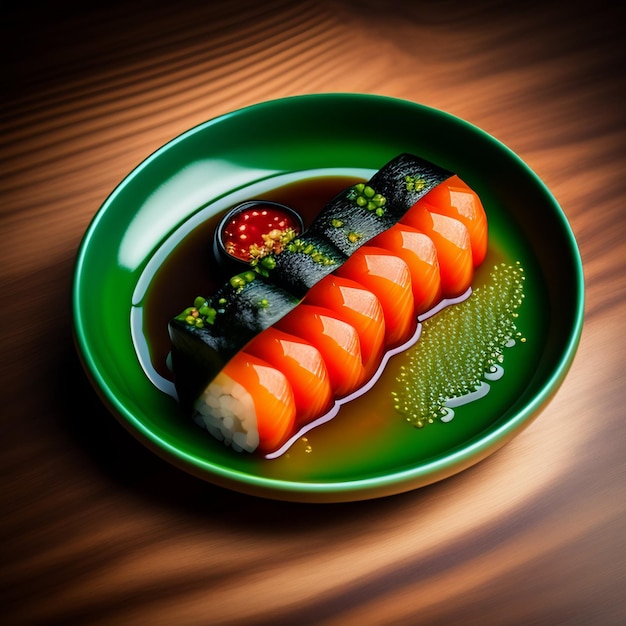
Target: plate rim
394 482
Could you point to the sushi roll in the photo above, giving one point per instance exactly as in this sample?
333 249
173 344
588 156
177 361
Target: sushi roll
279 345
304 367
360 308
249 405
454 198
453 244
420 254
388 277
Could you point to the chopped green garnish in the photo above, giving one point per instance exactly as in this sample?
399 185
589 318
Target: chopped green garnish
268 262
366 197
297 245
264 255
239 281
198 315
414 183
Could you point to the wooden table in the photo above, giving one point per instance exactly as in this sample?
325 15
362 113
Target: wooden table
97 530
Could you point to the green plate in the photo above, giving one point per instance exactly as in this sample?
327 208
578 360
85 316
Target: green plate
368 452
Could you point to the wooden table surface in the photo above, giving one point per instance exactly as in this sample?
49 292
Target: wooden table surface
98 530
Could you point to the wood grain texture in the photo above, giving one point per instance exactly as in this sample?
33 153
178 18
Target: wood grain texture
97 530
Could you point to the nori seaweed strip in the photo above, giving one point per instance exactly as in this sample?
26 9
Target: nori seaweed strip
349 225
401 183
405 180
247 308
194 360
304 262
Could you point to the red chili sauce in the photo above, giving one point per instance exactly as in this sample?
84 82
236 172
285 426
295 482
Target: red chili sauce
249 227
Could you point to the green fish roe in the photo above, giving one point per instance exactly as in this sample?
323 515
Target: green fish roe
459 345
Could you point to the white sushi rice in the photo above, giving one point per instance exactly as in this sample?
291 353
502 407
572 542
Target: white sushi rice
227 411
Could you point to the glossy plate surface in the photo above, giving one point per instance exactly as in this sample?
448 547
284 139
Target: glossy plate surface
368 452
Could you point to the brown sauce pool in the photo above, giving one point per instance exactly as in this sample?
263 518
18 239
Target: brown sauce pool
184 268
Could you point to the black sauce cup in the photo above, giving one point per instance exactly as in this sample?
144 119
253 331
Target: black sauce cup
232 263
